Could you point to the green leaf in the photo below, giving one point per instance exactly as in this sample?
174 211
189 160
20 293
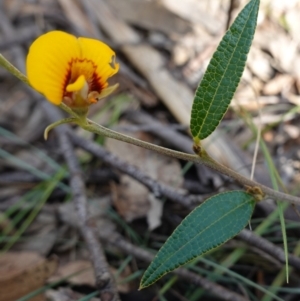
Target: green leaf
218 219
223 73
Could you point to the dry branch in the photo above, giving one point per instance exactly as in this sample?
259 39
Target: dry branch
158 189
104 280
116 240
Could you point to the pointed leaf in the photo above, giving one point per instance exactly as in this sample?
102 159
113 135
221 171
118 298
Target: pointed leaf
223 73
218 219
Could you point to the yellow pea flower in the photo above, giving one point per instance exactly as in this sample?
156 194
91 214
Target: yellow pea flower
71 70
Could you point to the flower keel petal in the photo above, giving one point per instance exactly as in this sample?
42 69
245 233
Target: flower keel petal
77 85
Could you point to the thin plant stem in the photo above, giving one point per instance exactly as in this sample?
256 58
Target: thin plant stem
55 124
13 70
205 159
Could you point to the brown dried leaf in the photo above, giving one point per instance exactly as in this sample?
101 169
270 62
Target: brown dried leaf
284 49
83 270
76 16
292 18
130 197
280 83
294 99
206 13
84 274
22 273
65 294
244 97
292 131
126 286
142 13
155 213
259 63
42 243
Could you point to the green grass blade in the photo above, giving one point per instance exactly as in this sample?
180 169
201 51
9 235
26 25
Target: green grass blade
218 219
223 73
42 155
131 277
50 285
89 296
275 179
48 190
20 164
279 280
168 285
243 279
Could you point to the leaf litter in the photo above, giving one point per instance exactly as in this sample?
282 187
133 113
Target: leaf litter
184 38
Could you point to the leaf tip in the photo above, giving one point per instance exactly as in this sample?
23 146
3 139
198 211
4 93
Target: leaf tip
143 285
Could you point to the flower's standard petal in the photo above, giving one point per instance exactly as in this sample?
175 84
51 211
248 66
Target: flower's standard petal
48 63
102 57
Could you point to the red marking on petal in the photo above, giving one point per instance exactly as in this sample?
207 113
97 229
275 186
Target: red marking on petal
95 84
88 69
67 80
